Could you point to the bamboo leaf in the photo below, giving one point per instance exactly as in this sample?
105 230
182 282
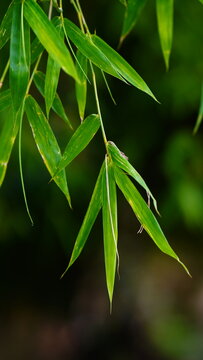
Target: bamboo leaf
165 27
144 214
110 227
52 77
89 220
5 99
105 57
7 139
132 13
81 88
19 70
79 140
46 143
36 49
200 114
57 106
122 162
5 27
48 36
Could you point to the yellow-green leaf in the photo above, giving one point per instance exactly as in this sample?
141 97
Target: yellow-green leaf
48 36
81 87
110 226
46 143
144 214
165 26
89 219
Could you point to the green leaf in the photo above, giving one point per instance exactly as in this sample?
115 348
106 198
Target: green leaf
110 226
121 161
52 77
48 36
165 25
200 114
46 143
7 139
79 140
144 214
123 2
201 1
132 13
5 99
5 27
81 88
57 106
36 49
89 220
103 56
19 70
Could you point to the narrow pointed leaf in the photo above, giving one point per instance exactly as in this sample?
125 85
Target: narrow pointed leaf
5 99
57 106
121 161
110 227
52 77
165 27
200 114
19 70
7 139
132 13
81 88
5 27
46 143
48 36
89 219
105 57
144 214
79 140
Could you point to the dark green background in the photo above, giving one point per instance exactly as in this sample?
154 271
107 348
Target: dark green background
157 308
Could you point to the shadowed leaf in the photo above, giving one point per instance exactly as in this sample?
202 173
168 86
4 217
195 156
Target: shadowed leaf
5 27
200 114
5 99
132 13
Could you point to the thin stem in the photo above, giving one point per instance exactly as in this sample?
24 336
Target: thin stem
33 73
50 9
4 73
98 104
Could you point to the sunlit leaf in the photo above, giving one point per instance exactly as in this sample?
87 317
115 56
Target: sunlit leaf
81 88
110 227
132 13
7 139
5 27
52 77
165 26
5 99
48 36
57 106
19 69
121 160
79 140
89 219
46 143
200 114
144 214
105 57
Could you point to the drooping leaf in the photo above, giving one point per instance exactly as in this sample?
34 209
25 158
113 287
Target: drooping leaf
7 139
48 36
52 76
36 49
165 27
121 161
132 13
105 57
19 69
81 88
79 140
89 219
200 114
5 99
110 227
57 106
5 27
144 214
46 143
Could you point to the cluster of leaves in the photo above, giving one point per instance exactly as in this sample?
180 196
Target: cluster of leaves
55 36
